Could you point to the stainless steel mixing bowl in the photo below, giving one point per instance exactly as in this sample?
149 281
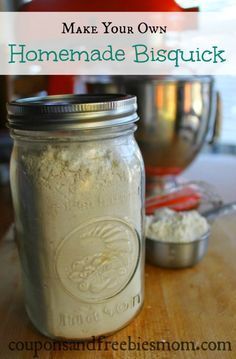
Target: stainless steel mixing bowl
176 114
176 255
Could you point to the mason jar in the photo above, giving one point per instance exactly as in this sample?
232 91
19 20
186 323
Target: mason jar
77 181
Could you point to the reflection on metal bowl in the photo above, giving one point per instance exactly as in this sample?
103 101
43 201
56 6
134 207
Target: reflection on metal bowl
175 117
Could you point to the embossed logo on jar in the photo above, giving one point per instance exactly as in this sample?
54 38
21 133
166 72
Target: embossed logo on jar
98 259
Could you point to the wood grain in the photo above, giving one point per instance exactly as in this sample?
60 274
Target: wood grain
196 304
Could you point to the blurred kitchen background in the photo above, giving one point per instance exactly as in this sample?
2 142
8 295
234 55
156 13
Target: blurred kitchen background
219 137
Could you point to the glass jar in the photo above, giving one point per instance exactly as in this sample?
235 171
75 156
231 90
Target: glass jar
77 181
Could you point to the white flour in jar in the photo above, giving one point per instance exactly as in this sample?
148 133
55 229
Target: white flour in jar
169 226
81 236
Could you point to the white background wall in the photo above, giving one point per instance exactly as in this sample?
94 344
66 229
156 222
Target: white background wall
225 84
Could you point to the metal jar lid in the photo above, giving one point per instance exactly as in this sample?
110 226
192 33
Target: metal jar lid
72 112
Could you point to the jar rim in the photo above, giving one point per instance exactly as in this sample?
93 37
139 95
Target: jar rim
68 112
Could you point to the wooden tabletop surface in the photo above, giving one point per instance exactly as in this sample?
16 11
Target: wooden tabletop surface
196 304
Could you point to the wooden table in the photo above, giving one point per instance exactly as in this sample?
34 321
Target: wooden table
196 304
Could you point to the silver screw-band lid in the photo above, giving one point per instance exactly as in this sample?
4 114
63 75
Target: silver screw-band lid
72 112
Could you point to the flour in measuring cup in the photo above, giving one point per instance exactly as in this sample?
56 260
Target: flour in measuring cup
179 227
